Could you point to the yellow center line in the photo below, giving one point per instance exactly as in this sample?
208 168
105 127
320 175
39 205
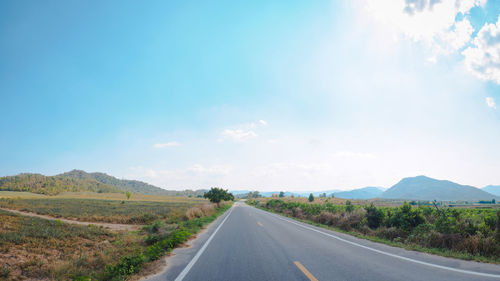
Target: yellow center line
305 271
260 224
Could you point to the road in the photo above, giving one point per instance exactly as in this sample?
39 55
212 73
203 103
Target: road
250 244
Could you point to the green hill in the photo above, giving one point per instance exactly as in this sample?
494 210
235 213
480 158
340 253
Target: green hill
129 185
425 188
51 185
123 185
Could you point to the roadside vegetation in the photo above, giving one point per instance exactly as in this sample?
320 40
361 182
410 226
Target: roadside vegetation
35 248
465 233
162 238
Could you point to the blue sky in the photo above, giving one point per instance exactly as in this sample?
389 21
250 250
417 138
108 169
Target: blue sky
294 95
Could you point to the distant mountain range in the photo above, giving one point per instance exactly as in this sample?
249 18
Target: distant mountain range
412 188
241 193
425 188
361 193
493 189
79 181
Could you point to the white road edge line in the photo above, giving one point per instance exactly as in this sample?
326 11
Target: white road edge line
386 253
200 251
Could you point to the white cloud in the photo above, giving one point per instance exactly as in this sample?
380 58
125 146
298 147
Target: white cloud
167 144
263 122
491 102
238 134
429 21
212 170
483 59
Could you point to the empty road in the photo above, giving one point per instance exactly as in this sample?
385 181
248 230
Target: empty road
250 244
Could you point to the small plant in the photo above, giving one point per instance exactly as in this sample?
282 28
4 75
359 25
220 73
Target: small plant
128 195
4 272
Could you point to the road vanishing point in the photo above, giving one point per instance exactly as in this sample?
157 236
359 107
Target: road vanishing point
247 243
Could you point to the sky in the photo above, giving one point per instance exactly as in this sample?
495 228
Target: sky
262 95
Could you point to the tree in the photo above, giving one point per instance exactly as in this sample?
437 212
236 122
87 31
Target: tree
215 195
311 197
282 194
128 194
256 194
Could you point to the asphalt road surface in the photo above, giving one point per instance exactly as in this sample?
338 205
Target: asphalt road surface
250 244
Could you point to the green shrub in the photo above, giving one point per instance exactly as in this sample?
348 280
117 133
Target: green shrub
406 217
348 206
374 216
128 265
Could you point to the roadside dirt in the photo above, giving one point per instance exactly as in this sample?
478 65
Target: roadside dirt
110 226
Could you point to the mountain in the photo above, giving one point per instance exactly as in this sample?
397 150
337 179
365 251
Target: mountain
123 185
79 181
51 185
425 188
360 193
129 185
242 193
493 189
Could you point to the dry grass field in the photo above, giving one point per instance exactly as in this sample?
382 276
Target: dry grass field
101 207
33 248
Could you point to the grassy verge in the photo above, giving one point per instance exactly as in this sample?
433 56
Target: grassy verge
161 239
396 242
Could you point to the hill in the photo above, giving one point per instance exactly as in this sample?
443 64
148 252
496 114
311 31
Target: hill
493 189
51 185
360 193
425 188
133 186
123 185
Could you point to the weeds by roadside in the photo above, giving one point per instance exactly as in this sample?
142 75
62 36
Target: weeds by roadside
461 233
162 238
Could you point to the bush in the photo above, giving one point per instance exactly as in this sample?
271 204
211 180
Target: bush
390 233
127 266
348 206
374 216
351 220
406 218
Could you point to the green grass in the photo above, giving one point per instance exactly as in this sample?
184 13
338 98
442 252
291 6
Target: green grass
97 210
